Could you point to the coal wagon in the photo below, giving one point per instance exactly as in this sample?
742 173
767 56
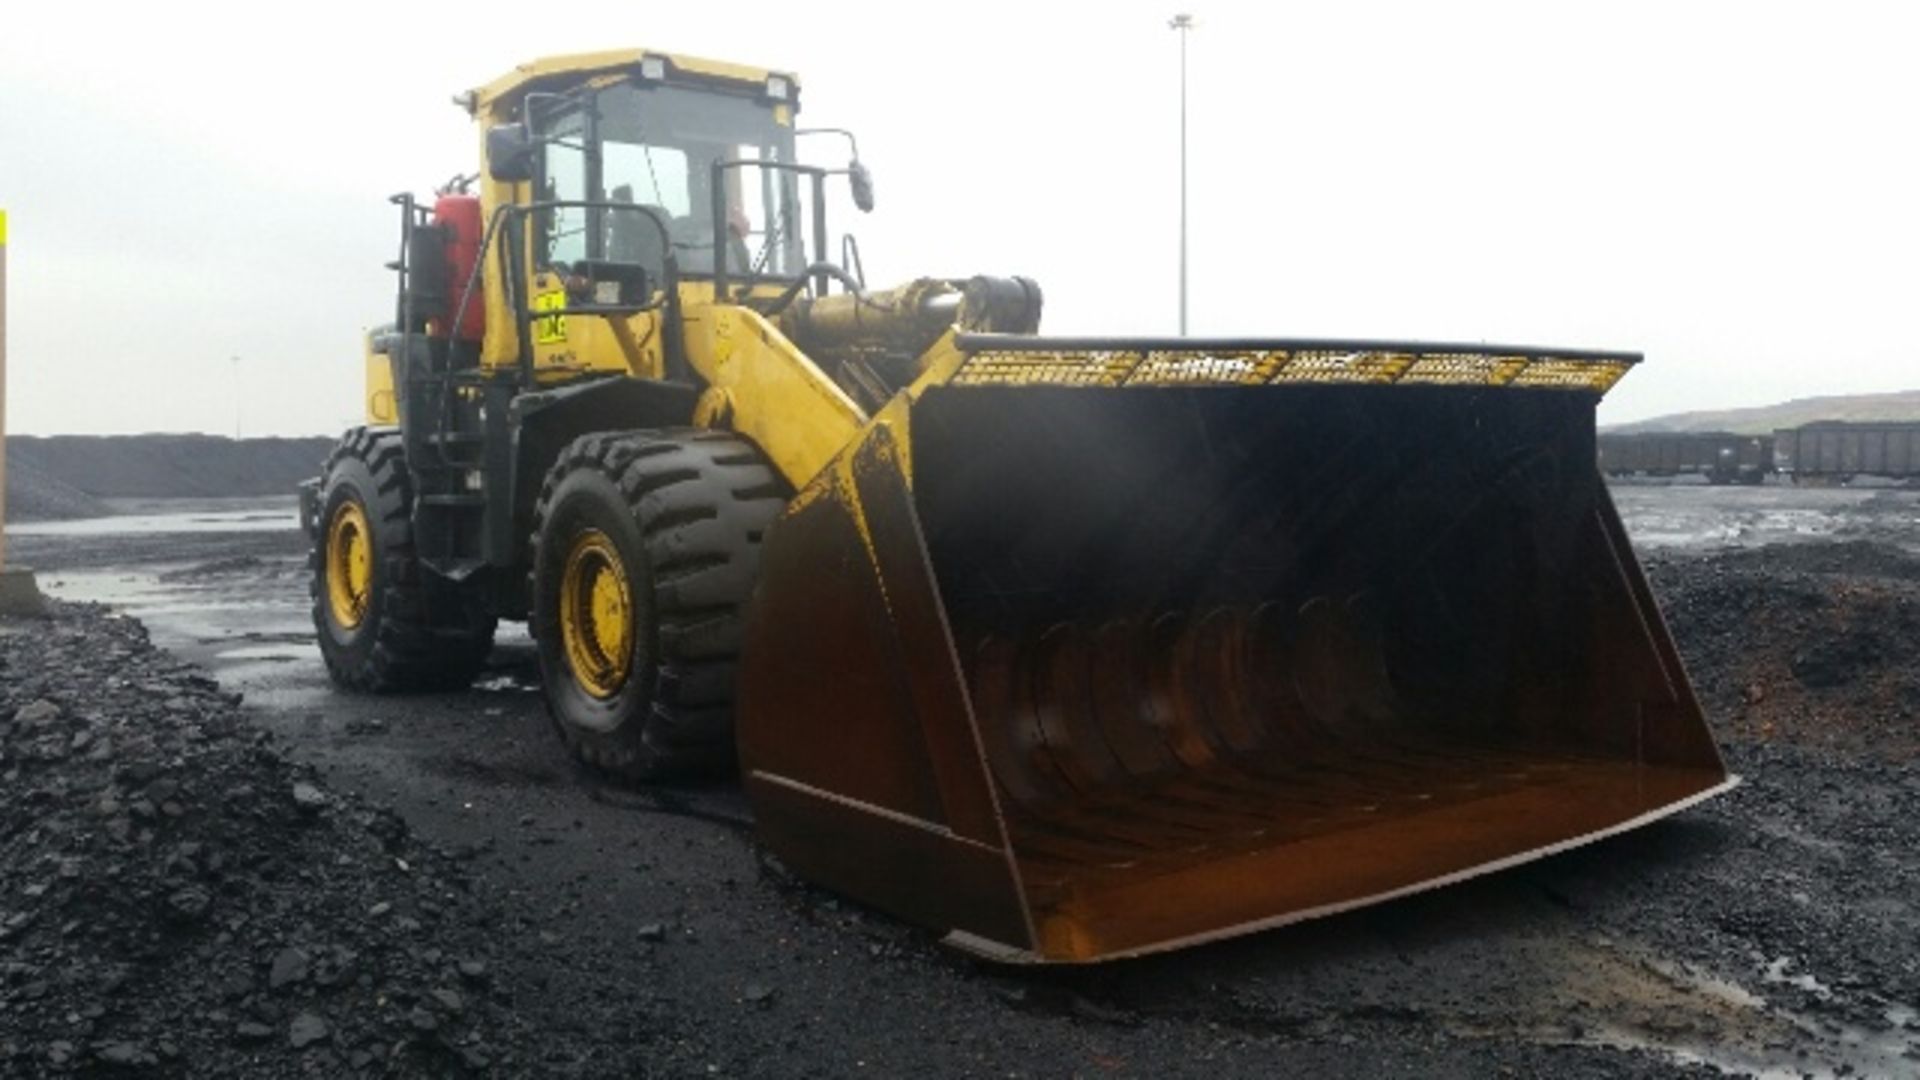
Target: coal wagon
1722 457
1836 451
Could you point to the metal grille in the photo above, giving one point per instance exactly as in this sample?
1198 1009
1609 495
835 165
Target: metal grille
1094 368
1160 368
1039 364
1343 366
1570 374
1466 369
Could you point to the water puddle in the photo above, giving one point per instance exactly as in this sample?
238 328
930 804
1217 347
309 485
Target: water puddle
230 521
257 639
1697 516
280 653
1671 529
510 682
1777 973
1627 999
220 622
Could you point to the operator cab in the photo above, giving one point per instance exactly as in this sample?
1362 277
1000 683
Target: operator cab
654 146
620 186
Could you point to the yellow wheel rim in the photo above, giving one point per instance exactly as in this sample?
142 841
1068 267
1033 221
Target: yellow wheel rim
596 615
349 564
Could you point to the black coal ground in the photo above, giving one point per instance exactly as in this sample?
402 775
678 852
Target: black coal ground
181 898
610 933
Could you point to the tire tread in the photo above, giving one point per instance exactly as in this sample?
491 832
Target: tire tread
432 634
701 501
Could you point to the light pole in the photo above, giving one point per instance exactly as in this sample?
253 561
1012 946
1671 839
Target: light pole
236 399
1182 24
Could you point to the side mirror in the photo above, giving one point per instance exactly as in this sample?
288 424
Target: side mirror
862 182
510 153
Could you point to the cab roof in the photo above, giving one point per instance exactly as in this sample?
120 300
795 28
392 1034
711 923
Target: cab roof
575 66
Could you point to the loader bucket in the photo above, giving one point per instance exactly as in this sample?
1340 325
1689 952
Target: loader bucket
1085 650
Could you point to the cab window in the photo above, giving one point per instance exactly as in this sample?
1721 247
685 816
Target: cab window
564 177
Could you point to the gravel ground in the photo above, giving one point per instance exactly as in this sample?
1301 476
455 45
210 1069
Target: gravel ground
1768 932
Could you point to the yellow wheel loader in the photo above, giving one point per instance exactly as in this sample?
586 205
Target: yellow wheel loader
1069 648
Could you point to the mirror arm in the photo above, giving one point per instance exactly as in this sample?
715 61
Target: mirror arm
850 258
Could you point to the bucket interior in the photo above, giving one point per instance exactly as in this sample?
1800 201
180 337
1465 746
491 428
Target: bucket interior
1240 655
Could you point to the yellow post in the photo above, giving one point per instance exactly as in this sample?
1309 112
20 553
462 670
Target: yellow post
18 593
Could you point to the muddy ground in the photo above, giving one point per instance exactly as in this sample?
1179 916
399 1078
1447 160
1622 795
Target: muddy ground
1768 932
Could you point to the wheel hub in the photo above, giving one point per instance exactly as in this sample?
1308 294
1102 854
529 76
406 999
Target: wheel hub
349 565
596 615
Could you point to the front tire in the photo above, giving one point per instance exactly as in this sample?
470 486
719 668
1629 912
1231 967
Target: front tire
646 546
385 623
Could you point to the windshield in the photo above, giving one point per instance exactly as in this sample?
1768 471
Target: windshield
655 147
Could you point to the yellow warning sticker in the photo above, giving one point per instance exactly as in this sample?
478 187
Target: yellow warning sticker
550 329
783 115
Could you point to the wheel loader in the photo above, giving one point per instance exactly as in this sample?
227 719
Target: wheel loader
1068 648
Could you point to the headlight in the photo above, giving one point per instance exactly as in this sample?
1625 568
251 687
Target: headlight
653 68
778 88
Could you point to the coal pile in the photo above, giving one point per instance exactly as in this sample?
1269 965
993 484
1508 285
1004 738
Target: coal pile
1812 644
32 495
170 466
179 900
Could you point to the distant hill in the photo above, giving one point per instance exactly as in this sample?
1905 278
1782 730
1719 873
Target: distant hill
1763 420
53 470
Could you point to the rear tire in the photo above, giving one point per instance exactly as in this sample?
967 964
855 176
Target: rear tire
646 547
386 624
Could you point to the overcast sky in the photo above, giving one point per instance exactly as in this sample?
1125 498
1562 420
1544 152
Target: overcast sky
1732 188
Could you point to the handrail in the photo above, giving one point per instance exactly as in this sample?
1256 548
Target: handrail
442 418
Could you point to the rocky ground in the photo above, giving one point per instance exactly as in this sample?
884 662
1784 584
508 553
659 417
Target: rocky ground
588 932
